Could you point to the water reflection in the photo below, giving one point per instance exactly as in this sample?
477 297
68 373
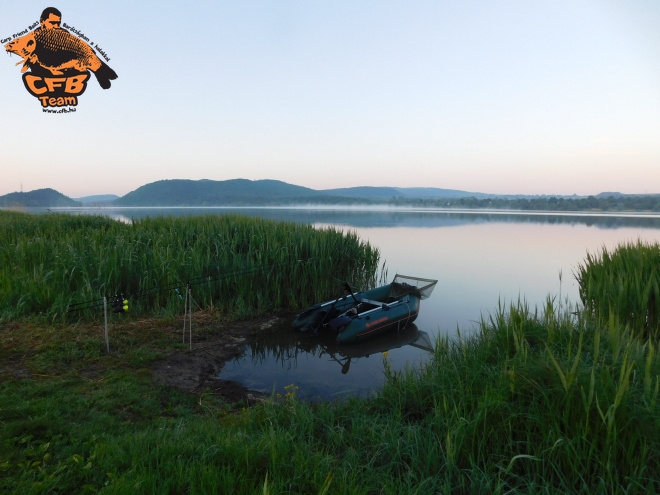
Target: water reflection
383 217
286 356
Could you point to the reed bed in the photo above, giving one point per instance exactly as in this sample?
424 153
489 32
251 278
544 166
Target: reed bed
534 402
624 285
52 261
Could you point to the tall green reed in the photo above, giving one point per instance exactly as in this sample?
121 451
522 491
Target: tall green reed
51 261
549 399
623 284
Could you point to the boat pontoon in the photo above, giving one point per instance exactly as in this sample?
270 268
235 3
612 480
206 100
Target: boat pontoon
360 315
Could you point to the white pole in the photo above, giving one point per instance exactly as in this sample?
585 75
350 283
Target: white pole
190 316
105 315
185 313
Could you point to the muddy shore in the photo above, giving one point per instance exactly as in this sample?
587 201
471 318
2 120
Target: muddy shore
197 369
192 369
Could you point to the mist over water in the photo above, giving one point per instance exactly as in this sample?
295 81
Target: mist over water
479 259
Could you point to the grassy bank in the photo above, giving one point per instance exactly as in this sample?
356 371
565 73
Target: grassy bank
547 402
49 261
532 403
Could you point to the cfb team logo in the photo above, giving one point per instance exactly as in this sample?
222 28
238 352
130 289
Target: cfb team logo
57 64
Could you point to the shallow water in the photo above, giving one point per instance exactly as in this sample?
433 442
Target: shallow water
479 259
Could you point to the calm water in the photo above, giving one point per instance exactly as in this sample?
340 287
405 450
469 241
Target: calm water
478 258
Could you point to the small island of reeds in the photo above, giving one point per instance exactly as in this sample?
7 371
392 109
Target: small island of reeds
563 399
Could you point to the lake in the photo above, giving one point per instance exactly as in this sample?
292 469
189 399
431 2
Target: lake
479 259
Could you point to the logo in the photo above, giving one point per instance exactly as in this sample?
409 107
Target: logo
376 322
56 64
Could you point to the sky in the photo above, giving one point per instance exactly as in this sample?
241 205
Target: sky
507 97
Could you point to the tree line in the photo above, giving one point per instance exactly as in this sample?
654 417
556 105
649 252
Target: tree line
552 203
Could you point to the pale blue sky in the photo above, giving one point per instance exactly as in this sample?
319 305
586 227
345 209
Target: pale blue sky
535 97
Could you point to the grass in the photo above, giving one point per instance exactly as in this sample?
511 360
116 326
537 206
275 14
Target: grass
533 403
624 285
51 261
556 401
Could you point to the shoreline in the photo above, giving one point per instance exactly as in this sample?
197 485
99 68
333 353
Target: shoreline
361 208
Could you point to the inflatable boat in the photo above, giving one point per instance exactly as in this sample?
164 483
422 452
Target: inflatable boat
361 315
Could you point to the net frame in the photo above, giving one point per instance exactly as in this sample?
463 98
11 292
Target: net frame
405 284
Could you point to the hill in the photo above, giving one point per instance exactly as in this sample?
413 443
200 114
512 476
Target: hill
244 192
436 192
98 199
406 192
37 198
380 193
364 192
179 192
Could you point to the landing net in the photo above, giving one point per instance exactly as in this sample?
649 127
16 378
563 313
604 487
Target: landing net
403 284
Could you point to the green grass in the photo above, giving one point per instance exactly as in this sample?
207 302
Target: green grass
50 261
625 285
547 403
539 401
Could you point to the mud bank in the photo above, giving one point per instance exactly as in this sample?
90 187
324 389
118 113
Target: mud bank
196 370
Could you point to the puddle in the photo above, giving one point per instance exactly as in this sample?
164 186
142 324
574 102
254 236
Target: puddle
320 367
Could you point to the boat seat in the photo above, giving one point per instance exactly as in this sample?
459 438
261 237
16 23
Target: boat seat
378 304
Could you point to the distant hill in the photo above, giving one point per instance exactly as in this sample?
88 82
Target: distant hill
436 192
420 192
215 193
37 198
99 199
363 192
406 192
205 192
243 192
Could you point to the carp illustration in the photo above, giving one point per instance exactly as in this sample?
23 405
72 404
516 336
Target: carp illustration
57 51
